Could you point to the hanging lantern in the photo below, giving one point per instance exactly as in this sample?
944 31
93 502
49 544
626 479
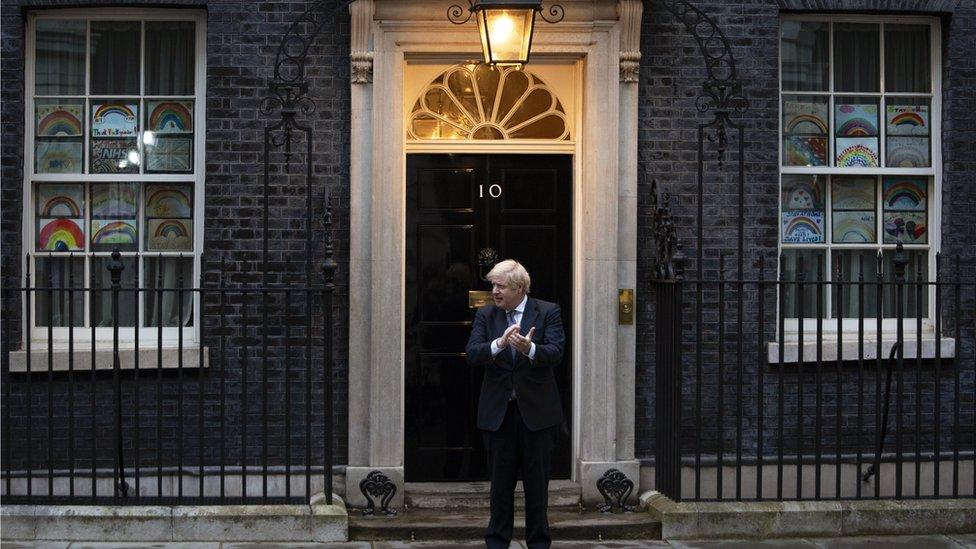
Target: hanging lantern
506 27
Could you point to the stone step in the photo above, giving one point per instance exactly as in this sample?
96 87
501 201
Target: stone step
565 523
475 495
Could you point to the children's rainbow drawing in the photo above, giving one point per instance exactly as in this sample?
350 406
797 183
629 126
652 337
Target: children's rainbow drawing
855 193
60 200
58 157
170 117
805 118
858 227
856 120
167 201
806 151
802 192
59 120
908 152
114 200
857 152
114 119
904 193
803 227
60 235
909 227
170 234
114 232
907 119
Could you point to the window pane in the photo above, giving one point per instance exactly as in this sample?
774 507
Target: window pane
907 58
854 211
856 129
169 136
803 209
804 48
854 266
59 60
115 128
804 130
169 275
53 308
114 221
101 299
905 210
169 218
910 302
799 277
60 211
857 57
170 49
907 121
115 47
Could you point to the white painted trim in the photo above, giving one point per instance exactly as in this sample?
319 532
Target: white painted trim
934 205
147 335
404 31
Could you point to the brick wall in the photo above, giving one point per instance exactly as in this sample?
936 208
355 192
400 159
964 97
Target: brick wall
672 72
242 43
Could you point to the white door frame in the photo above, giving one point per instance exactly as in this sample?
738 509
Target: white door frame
385 34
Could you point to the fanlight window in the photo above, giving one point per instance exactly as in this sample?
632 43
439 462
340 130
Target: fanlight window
484 102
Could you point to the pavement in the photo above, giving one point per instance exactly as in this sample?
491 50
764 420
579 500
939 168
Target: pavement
961 541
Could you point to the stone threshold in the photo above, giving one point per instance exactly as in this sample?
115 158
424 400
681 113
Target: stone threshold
791 519
316 522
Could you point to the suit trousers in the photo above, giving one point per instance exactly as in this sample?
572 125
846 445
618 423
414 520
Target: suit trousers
513 448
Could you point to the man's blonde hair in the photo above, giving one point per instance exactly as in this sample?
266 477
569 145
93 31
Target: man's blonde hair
510 271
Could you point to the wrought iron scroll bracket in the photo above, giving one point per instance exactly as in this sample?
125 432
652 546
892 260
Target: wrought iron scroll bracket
614 483
378 485
460 15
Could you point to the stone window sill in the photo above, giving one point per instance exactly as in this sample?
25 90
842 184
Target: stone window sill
103 358
850 350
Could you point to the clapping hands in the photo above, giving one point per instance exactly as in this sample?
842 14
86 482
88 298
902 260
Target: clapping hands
512 337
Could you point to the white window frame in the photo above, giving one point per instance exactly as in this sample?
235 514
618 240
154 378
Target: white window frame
148 336
849 326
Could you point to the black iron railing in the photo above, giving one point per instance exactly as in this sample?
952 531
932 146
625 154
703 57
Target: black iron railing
761 394
235 410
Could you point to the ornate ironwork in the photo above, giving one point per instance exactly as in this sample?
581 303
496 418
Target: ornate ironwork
376 484
456 13
665 236
616 484
487 258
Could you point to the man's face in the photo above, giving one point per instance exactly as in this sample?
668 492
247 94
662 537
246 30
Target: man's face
506 295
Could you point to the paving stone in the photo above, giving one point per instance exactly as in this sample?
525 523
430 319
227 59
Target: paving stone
271 545
34 545
436 544
743 544
966 540
887 542
134 545
621 544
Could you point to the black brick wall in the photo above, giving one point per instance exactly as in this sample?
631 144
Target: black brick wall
242 43
672 72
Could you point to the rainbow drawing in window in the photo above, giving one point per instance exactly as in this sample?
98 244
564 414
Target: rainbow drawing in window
907 119
59 120
60 235
857 152
170 234
58 157
114 200
856 120
167 201
805 151
60 200
904 193
170 117
109 233
908 152
802 193
803 227
114 119
805 117
854 227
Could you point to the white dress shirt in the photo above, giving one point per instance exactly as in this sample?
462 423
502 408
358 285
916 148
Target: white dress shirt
519 309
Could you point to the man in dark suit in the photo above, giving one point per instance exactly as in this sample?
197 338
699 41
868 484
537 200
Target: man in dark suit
520 341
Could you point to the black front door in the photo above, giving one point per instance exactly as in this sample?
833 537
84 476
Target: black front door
457 206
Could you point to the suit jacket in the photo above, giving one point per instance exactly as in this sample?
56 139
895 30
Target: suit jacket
533 380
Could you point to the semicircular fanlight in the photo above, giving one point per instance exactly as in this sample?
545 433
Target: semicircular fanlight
482 102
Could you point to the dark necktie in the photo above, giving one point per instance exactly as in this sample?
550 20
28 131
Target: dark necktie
511 321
